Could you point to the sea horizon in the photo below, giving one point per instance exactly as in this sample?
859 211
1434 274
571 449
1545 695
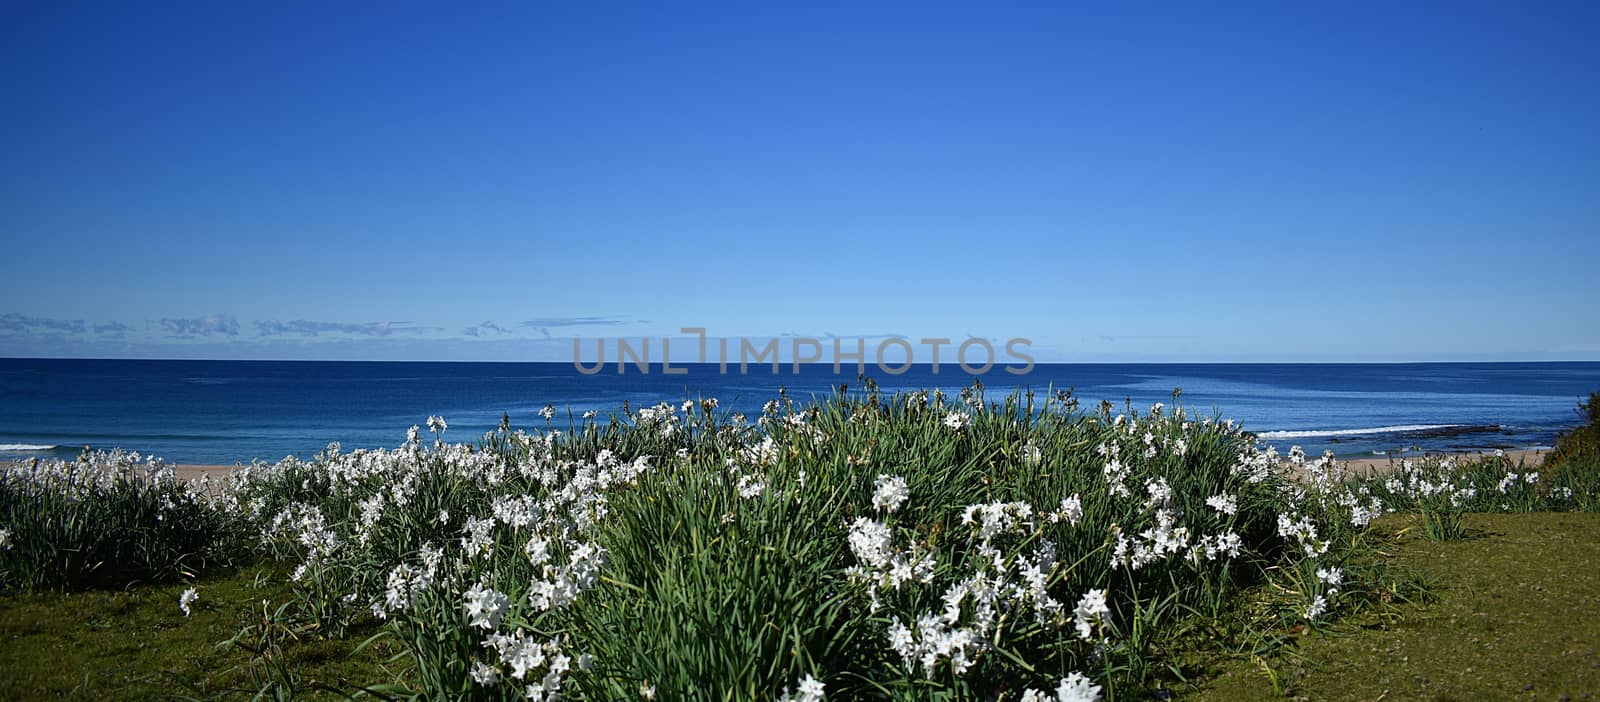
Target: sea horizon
236 411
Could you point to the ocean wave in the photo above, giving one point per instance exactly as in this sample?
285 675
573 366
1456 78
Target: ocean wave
214 381
26 447
1396 429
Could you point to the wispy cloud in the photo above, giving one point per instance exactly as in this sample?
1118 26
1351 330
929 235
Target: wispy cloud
577 322
306 327
208 325
112 328
13 323
485 328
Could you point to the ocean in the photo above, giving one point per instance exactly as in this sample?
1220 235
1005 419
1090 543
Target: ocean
222 412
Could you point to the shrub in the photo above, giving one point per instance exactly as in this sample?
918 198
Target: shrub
105 520
1574 464
1581 444
886 547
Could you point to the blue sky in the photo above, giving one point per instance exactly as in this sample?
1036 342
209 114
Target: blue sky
1163 182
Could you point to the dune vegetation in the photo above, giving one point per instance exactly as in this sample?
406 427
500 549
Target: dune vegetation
859 546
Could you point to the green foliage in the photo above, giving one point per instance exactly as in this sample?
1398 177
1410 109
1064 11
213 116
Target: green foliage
1581 444
1443 523
1575 461
899 547
694 551
106 520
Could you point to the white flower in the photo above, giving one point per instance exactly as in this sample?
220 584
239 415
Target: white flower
1334 577
1073 688
5 539
436 424
1319 605
589 414
1507 482
647 691
1226 504
1091 612
187 598
751 486
891 493
485 674
955 420
486 607
762 454
936 641
1303 531
870 542
549 412
1160 492
1077 688
1116 474
1070 511
811 690
1229 543
524 656
480 536
404 581
995 518
538 550
516 512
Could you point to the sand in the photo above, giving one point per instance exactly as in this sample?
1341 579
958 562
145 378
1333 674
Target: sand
193 472
1364 466
1379 464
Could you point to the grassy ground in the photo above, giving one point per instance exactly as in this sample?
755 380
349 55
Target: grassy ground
136 644
1515 614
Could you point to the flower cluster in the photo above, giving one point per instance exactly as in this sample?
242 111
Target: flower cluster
972 537
186 600
1073 688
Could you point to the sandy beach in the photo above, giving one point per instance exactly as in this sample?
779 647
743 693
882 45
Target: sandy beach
1380 464
194 472
1363 466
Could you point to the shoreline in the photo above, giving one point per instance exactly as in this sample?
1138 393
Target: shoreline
195 471
1531 458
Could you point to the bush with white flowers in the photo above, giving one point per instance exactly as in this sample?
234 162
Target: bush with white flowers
863 547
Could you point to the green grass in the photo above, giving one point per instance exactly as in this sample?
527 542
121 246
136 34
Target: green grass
1510 606
1513 615
136 645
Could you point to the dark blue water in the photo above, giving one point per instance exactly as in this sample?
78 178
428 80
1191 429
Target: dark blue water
227 411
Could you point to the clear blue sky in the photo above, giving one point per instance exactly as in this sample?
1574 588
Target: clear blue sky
1274 181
